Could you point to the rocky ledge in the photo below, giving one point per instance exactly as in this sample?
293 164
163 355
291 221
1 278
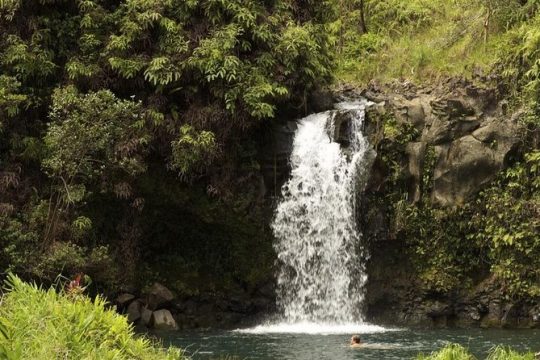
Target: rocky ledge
466 133
158 308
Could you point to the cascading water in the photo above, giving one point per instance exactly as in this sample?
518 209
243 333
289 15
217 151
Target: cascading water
321 259
321 274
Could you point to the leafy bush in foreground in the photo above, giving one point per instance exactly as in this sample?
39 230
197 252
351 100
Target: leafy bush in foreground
46 324
458 352
449 352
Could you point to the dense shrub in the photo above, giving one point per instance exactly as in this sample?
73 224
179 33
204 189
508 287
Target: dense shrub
48 324
458 352
94 93
449 352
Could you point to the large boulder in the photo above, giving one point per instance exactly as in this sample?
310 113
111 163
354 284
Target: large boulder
463 166
158 296
146 316
124 299
470 162
411 111
163 320
134 311
450 119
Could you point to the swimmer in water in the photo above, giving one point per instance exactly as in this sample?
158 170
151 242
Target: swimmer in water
355 342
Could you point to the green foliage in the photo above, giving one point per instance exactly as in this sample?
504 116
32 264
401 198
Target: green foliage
449 352
506 222
93 93
427 40
93 134
441 252
70 258
10 99
496 232
27 61
17 242
21 251
458 352
92 139
192 149
283 54
395 16
47 324
520 59
498 229
504 353
8 8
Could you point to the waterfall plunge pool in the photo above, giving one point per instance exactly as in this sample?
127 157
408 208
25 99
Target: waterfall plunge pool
321 277
332 345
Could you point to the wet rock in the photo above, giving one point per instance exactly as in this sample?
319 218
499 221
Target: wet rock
410 111
462 168
485 98
146 316
445 129
438 309
163 320
124 299
474 313
451 108
534 315
321 100
341 128
470 162
416 152
377 108
158 296
276 148
510 316
134 311
494 315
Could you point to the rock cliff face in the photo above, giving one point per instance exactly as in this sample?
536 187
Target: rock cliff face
441 144
461 136
466 126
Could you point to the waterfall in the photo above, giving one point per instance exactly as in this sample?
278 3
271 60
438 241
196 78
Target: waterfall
321 259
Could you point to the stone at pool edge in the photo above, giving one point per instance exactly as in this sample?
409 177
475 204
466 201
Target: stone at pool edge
146 316
134 311
124 299
158 296
163 320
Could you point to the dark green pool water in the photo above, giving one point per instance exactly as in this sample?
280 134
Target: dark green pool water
402 344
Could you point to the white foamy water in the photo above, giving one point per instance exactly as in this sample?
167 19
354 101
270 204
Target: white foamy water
321 261
316 329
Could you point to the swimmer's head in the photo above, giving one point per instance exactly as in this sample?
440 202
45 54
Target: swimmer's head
355 339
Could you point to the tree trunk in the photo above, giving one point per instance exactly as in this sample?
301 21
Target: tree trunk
363 25
486 24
